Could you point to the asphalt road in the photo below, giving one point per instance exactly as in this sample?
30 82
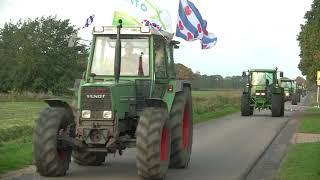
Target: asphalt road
224 149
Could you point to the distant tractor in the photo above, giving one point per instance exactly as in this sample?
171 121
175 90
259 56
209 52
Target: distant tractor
262 91
290 90
128 97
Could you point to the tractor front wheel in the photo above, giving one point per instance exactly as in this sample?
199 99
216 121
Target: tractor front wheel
245 105
153 143
51 157
276 105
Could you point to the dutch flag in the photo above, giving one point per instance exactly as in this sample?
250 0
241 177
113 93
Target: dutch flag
191 26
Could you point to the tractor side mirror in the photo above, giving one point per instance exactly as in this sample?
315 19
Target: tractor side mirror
244 74
281 74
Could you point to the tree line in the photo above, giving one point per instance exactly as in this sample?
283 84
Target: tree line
208 81
34 56
309 43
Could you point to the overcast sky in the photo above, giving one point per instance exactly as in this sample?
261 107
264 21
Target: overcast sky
251 33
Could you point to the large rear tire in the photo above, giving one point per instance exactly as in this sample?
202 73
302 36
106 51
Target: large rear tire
294 100
276 105
245 105
282 106
50 158
88 158
153 143
182 129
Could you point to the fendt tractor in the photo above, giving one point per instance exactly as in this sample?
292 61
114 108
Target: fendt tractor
290 90
128 97
262 91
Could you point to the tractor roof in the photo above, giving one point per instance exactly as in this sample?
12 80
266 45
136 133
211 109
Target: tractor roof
263 70
112 30
285 79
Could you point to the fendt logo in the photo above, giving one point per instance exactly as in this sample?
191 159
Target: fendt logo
96 96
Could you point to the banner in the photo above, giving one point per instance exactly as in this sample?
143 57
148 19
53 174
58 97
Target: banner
137 12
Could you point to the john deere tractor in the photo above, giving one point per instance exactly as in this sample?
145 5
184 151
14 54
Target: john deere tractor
290 90
128 97
262 91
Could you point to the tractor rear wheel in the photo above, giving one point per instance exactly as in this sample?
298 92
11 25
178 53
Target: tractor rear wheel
251 110
88 158
153 143
182 129
282 107
276 105
294 100
245 105
51 159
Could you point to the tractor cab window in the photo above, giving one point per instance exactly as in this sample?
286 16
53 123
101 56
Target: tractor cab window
134 56
160 58
286 84
170 62
261 78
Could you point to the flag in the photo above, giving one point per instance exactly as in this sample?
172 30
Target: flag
191 26
142 13
152 23
89 21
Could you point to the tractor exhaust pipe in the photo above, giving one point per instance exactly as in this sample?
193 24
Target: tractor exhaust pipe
117 59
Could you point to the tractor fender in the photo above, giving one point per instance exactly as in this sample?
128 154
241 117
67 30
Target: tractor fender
59 103
181 83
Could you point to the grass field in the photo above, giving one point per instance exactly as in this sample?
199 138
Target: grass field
213 104
18 119
303 160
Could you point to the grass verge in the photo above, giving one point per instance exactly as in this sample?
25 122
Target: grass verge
303 160
198 118
311 121
15 154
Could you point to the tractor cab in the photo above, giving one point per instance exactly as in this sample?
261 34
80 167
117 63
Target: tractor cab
289 89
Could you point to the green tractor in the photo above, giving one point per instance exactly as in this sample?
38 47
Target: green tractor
291 91
128 97
262 91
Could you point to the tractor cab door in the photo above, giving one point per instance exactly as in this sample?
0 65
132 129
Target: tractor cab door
160 57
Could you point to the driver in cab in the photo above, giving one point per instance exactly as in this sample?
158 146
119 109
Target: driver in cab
129 61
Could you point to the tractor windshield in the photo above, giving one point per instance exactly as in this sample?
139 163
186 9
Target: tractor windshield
261 78
286 84
131 51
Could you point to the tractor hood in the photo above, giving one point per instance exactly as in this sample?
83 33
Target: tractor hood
111 83
107 96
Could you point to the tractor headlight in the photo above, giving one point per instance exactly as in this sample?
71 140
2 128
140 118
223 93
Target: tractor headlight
258 94
86 114
263 94
107 114
287 94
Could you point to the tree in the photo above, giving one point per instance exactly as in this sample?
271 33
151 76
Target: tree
34 56
183 72
309 42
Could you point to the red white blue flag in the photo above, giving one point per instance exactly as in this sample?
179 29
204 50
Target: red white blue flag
192 27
